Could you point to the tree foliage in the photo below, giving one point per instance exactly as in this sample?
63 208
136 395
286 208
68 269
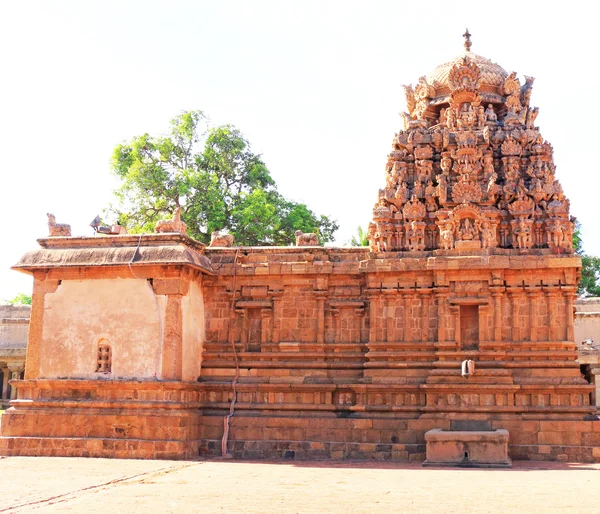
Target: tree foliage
360 238
20 299
216 179
589 285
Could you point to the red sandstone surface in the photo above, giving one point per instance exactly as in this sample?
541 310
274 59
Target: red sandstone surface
110 485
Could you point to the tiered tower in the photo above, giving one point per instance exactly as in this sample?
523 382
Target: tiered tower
470 170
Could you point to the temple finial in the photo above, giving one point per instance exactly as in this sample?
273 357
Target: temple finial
468 43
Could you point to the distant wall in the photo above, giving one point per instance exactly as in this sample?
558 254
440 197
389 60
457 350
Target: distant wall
14 327
587 320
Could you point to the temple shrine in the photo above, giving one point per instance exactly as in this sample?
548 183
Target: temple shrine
459 316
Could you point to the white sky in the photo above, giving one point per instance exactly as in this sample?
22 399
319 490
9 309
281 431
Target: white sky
314 85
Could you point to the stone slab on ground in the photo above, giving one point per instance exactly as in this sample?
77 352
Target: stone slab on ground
48 484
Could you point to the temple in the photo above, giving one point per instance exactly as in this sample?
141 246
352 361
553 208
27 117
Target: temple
459 316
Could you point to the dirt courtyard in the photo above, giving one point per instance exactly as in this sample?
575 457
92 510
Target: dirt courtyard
50 484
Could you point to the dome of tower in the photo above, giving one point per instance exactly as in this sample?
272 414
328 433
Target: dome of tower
492 74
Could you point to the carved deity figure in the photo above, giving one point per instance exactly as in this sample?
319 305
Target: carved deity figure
450 118
467 231
488 235
402 193
447 236
430 203
523 233
480 116
372 237
442 119
446 163
415 236
488 165
466 117
442 189
419 190
555 235
490 115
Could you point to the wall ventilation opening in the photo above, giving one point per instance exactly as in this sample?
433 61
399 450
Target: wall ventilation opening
104 362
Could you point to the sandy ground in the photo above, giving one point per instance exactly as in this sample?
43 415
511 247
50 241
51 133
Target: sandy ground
46 484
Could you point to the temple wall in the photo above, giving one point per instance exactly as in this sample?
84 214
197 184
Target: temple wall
82 314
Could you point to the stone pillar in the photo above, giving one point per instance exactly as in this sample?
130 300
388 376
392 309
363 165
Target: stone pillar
406 315
483 323
532 296
15 372
569 295
41 287
390 318
265 326
596 381
515 333
173 289
321 317
551 299
243 316
497 296
335 316
6 377
424 316
276 323
455 311
441 299
373 307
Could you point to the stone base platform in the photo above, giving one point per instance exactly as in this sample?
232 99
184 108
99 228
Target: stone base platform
98 447
325 437
467 449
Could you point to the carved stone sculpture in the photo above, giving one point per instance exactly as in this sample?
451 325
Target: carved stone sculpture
373 237
308 239
174 225
57 229
220 240
447 236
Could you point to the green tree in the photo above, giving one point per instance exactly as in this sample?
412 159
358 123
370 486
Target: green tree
589 285
216 179
360 238
20 299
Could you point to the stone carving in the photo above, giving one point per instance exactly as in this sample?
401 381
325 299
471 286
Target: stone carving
447 235
220 240
414 210
488 234
57 229
173 225
470 138
308 239
415 235
521 228
373 237
490 115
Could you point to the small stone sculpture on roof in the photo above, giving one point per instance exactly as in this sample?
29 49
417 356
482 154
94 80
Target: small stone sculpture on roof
57 229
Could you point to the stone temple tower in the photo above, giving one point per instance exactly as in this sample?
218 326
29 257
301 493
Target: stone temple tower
458 315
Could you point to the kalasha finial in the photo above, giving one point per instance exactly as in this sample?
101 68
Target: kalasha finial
468 43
